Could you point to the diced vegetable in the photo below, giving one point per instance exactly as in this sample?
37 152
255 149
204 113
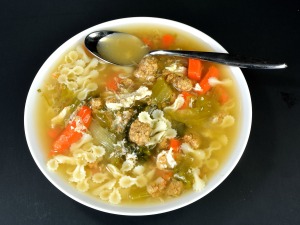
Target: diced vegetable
161 91
182 171
54 132
104 118
85 113
193 117
147 41
112 83
102 136
165 174
222 94
194 69
175 144
138 193
73 131
59 91
167 40
190 117
204 83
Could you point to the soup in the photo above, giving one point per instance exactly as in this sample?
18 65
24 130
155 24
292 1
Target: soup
153 131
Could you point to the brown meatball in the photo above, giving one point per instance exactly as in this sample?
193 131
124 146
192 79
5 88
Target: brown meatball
169 76
193 140
139 132
179 80
147 69
182 83
175 188
111 99
164 144
157 187
127 82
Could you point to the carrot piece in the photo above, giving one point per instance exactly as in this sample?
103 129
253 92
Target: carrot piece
112 82
194 69
54 132
85 113
223 95
175 144
167 40
204 83
165 174
73 132
147 41
186 96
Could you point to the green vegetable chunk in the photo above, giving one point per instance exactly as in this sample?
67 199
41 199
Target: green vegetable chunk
161 91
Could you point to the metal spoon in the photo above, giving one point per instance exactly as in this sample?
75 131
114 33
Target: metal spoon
94 40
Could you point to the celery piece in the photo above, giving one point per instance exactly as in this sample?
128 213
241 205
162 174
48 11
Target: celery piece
138 193
102 136
59 96
190 117
104 118
161 91
196 116
182 171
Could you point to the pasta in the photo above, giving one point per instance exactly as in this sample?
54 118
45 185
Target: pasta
100 178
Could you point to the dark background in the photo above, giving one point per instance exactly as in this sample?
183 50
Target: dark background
262 189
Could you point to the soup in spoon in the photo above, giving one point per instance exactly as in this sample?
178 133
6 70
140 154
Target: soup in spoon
122 49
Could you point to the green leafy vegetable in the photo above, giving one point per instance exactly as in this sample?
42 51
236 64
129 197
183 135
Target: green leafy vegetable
142 152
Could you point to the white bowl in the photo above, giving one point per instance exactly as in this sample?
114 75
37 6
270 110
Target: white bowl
40 158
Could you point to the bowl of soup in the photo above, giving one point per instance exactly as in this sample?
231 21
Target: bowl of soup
143 139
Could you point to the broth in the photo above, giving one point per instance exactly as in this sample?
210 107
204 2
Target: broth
216 143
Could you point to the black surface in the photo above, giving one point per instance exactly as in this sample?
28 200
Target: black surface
262 189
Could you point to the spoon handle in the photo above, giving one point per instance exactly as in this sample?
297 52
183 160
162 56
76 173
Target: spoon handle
224 58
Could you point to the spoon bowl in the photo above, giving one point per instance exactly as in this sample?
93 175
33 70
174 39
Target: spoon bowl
131 50
115 47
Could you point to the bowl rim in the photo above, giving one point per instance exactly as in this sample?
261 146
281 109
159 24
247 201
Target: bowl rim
92 202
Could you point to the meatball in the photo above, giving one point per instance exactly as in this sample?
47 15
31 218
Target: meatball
164 144
127 82
162 162
139 132
157 187
193 140
175 188
182 83
147 69
111 99
169 76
